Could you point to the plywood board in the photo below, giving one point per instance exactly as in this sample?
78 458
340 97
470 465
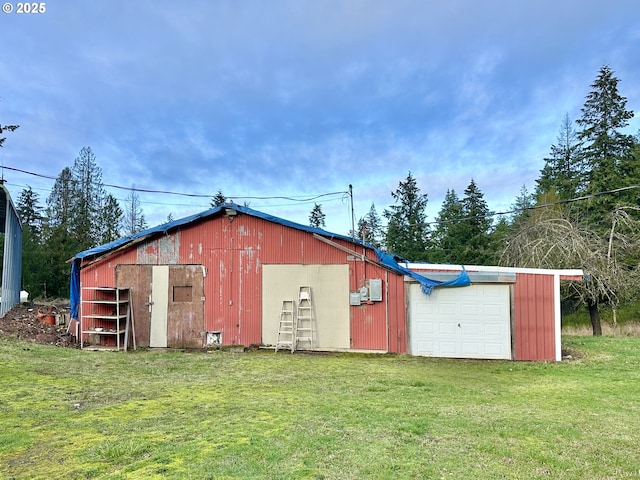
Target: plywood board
330 295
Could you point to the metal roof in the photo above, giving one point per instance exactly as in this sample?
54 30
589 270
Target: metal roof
219 210
387 259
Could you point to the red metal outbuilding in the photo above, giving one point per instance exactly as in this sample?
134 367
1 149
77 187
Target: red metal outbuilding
243 256
222 277
534 317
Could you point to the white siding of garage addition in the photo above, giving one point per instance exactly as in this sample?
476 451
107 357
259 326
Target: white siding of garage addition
467 322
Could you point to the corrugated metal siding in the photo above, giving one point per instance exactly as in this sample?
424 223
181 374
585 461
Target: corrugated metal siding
12 259
534 323
101 274
397 305
381 325
233 251
368 323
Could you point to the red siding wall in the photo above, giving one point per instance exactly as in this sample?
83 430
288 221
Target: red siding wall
534 324
233 251
378 325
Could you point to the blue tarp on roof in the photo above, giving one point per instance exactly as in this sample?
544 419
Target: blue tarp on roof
387 259
427 284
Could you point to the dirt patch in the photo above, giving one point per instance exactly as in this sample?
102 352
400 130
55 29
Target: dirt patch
24 323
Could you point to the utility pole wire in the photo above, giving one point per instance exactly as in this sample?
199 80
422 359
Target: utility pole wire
194 195
535 207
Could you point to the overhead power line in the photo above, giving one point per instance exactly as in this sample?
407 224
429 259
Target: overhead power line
192 195
535 207
343 193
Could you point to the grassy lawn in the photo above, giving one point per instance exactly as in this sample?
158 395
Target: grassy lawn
69 414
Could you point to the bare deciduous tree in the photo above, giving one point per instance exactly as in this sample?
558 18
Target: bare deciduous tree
548 240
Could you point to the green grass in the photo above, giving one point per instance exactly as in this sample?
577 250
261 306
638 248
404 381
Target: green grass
68 414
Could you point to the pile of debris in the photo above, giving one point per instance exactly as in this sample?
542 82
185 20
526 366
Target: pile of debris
26 322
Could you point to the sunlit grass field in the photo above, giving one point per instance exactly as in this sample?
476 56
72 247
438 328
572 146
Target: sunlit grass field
70 414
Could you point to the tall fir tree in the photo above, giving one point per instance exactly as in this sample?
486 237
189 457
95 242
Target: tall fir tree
60 202
608 151
30 212
448 237
370 227
476 227
407 231
218 199
112 218
317 217
521 206
89 197
61 241
611 164
564 170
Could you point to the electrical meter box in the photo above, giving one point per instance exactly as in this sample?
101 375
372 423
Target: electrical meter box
354 298
364 294
375 289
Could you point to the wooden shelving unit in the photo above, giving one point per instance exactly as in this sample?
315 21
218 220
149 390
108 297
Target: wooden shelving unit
107 319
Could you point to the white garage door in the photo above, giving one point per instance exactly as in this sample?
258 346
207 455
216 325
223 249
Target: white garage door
467 322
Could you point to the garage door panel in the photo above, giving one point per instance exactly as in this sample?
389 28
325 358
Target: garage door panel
470 329
469 310
447 309
493 349
493 330
467 322
447 348
425 308
446 328
426 347
492 309
471 348
425 328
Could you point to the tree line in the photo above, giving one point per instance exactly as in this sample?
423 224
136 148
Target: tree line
78 214
583 213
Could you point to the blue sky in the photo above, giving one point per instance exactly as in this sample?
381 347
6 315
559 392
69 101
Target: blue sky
302 98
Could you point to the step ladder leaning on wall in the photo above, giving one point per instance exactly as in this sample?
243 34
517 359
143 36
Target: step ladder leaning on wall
304 319
286 327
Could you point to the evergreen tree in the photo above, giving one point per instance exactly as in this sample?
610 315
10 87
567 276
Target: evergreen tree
317 217
370 227
407 231
30 212
60 240
608 152
218 200
524 201
611 164
61 200
134 220
498 239
88 201
476 227
603 239
448 237
112 218
564 170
